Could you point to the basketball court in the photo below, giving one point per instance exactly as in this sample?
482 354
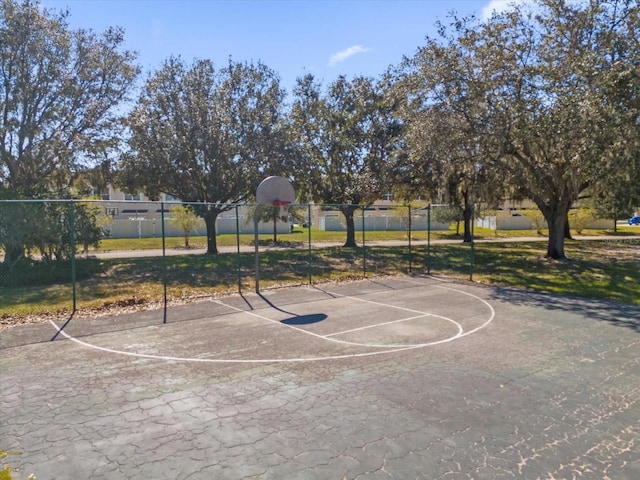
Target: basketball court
365 319
399 377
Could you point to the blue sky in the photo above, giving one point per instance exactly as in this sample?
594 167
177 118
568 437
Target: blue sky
293 37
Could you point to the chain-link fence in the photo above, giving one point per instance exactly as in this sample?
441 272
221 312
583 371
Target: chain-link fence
60 256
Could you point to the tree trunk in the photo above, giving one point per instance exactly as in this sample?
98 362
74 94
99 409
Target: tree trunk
567 228
351 227
12 256
467 213
210 222
557 225
275 227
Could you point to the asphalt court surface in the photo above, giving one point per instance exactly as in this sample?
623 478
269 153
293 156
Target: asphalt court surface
407 377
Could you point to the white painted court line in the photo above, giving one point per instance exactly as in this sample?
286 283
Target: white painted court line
377 325
358 344
219 360
388 348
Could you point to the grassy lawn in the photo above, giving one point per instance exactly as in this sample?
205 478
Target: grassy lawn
602 269
597 269
300 236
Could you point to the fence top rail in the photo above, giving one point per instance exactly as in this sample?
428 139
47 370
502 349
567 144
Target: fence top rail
220 204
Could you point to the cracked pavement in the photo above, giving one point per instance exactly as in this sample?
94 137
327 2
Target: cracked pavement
549 389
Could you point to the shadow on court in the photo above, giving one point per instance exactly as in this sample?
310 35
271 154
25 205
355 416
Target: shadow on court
304 319
615 313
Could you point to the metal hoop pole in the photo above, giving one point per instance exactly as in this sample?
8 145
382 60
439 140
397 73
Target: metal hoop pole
256 219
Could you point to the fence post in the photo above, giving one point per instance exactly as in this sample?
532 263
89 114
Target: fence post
410 254
72 228
238 252
429 240
472 242
364 247
309 235
164 265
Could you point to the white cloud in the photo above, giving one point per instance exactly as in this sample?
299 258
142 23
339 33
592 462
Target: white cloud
344 54
497 6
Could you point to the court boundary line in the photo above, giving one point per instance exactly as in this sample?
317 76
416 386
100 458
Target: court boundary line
389 349
345 342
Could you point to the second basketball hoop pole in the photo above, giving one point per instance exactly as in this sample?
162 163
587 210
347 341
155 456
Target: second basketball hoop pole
272 192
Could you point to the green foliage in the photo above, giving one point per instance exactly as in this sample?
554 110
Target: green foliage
15 226
206 135
268 214
447 214
344 139
6 471
184 218
45 227
60 93
403 212
537 218
580 218
534 98
299 214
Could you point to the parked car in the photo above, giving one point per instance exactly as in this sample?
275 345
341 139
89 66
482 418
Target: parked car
635 220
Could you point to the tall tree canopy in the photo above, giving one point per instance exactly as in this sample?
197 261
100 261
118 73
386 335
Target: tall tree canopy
447 136
59 94
556 88
60 91
345 139
206 135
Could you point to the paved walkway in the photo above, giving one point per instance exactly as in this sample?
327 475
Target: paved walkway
397 378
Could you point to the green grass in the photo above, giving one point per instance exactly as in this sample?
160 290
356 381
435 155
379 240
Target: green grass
300 236
6 470
597 269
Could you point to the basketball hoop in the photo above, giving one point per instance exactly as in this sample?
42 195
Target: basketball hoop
275 191
272 192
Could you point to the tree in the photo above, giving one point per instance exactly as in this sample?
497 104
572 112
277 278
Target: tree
617 200
448 144
406 212
268 214
60 91
206 135
59 96
51 228
616 194
565 123
345 138
448 214
546 80
184 218
581 217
